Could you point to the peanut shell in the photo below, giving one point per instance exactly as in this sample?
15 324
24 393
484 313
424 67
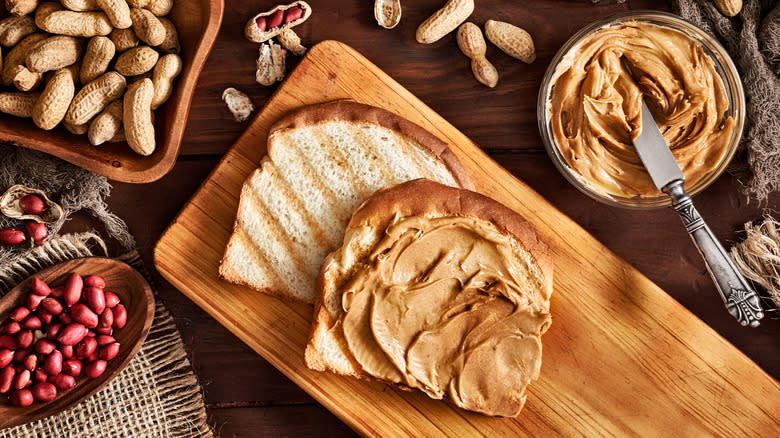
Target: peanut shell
147 27
239 104
137 117
253 33
166 70
444 21
171 42
18 104
99 53
13 29
123 39
20 7
291 41
472 44
50 108
94 97
387 13
24 79
107 125
54 53
160 8
76 24
271 63
80 5
117 11
18 54
512 40
729 8
136 61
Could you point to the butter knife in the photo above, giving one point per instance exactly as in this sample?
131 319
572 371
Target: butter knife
740 299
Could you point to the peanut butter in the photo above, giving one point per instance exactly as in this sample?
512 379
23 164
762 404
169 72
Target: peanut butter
595 106
451 306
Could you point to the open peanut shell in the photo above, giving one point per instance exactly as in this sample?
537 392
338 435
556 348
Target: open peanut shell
9 205
387 13
262 27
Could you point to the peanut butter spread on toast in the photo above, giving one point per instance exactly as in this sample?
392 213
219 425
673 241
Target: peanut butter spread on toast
447 306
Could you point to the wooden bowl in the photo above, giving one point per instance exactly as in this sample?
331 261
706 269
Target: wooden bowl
198 23
133 291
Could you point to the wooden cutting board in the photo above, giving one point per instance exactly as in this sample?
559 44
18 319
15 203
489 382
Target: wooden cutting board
622 357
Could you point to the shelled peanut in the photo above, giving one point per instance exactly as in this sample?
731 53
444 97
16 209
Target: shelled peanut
59 334
66 62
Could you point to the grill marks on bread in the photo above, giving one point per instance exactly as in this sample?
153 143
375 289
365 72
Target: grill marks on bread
295 208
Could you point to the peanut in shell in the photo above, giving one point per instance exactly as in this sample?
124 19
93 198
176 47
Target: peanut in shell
14 29
136 61
98 55
54 53
76 24
444 21
17 103
51 106
512 40
166 70
137 117
94 97
147 27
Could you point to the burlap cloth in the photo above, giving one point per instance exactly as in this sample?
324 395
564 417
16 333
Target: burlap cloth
752 38
157 394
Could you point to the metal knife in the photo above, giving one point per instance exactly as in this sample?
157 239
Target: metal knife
740 299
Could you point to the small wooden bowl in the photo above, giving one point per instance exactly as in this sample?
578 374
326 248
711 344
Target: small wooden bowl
133 291
198 23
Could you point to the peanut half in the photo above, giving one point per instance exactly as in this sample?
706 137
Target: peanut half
147 27
444 21
472 44
387 13
729 8
137 117
239 104
18 104
166 70
136 61
53 53
291 41
107 125
94 97
271 64
512 40
51 106
117 11
100 51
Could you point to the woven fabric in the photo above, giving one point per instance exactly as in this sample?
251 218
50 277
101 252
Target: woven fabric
752 39
156 395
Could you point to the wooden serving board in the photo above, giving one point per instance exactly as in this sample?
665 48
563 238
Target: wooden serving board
622 357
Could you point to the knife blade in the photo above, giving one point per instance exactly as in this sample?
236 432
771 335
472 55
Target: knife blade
655 153
738 296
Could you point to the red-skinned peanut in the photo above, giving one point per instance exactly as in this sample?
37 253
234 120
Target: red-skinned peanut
40 375
120 316
96 299
33 301
31 362
13 328
106 318
112 299
23 378
68 352
32 322
72 334
45 346
22 398
57 292
8 341
86 347
52 305
44 392
19 313
6 357
53 363
94 281
39 287
73 288
109 351
96 368
24 338
63 382
32 204
7 375
72 367
82 313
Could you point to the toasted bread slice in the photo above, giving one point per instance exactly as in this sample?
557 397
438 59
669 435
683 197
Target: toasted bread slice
328 348
323 161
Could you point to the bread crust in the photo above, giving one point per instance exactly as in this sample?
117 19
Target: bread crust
420 197
348 110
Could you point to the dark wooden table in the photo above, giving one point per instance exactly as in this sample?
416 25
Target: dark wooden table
245 395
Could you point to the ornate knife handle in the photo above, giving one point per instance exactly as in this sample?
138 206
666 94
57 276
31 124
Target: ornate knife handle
739 298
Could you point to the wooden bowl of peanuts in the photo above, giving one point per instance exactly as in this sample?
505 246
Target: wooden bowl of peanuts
104 84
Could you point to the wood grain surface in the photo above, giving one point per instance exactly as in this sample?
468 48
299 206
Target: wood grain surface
135 294
622 356
248 397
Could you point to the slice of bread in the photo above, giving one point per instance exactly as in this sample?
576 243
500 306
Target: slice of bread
323 161
328 348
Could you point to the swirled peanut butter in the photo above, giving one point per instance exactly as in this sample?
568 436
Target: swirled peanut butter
595 106
451 306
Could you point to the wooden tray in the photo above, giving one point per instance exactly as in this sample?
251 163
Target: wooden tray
622 357
197 22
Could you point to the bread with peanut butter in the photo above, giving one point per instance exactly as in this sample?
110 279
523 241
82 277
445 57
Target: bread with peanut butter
323 161
438 289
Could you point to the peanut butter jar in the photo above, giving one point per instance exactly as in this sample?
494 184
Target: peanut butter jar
590 99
